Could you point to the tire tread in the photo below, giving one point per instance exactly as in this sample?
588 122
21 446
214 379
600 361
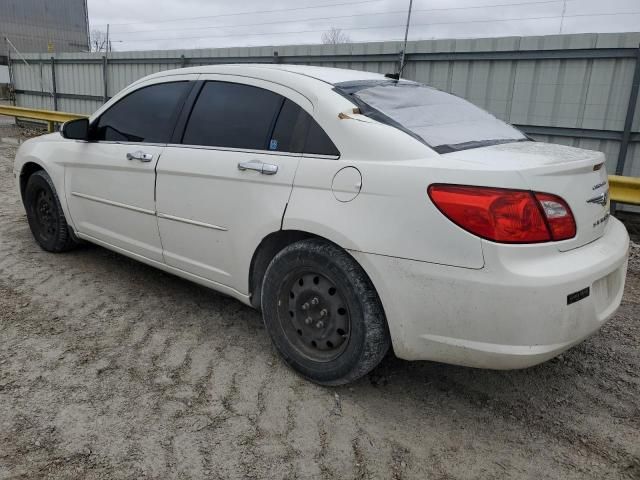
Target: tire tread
377 340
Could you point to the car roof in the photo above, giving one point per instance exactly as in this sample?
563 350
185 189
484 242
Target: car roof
328 75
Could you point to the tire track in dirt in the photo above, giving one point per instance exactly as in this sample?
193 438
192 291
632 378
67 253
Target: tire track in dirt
111 369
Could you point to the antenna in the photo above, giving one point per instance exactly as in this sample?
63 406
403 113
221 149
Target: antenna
406 36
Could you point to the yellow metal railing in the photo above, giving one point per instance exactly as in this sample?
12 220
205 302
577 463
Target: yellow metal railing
625 189
48 116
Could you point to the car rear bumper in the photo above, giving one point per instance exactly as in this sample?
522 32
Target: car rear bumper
513 313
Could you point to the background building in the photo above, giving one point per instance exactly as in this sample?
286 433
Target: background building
44 26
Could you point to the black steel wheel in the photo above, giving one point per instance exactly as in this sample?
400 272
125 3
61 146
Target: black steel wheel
323 314
314 316
44 213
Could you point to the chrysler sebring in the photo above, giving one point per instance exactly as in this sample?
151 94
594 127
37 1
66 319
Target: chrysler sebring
356 211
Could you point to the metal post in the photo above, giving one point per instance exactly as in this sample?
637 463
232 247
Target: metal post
12 96
631 111
628 124
406 37
105 96
53 84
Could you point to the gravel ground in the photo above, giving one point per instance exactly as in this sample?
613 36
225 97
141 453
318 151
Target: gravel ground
111 369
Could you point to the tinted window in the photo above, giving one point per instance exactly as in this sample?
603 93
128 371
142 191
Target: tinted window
318 142
289 133
296 131
233 115
145 115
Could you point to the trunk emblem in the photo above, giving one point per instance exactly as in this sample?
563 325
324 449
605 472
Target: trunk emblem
600 199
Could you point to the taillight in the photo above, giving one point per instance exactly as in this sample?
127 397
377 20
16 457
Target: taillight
503 215
559 217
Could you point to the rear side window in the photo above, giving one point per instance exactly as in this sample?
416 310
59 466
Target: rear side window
233 115
290 130
146 115
296 131
318 142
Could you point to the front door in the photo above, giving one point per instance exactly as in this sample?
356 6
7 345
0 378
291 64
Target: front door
227 185
110 180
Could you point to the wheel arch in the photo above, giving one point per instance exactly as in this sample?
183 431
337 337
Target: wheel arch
270 246
28 168
264 253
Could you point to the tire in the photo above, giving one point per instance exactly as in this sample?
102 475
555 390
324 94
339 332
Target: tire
45 215
323 313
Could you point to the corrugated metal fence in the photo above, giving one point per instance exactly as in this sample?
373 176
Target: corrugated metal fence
570 89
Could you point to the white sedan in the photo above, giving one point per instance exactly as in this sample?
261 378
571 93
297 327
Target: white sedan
356 211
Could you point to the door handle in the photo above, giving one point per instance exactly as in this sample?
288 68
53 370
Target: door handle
139 155
258 166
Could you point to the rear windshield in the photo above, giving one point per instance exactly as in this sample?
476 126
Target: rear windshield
442 121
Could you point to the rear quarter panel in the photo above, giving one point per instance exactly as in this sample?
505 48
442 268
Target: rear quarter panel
391 216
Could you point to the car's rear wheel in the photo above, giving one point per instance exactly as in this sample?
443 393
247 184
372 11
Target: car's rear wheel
323 313
45 215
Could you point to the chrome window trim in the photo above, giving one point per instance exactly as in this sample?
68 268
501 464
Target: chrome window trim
112 203
191 222
247 150
117 142
322 157
236 150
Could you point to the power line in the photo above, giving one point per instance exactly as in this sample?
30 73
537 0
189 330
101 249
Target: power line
517 19
342 4
356 15
470 7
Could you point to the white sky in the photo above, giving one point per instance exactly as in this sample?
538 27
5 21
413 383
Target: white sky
166 24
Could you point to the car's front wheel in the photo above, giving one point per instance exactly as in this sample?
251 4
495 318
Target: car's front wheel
323 313
45 215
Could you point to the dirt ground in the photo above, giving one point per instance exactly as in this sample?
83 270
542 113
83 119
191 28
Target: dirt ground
111 369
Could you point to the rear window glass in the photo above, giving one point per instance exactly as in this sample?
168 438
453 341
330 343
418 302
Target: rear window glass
442 121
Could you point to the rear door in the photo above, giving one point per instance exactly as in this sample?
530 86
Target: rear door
110 180
225 182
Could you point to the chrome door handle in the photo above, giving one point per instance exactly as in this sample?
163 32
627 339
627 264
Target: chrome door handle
139 155
258 166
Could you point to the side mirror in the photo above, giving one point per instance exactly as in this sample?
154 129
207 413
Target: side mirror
76 129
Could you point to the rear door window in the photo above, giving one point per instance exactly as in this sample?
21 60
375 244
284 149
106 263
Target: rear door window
290 130
318 142
145 115
233 115
296 131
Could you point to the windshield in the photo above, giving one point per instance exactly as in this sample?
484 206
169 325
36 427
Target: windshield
443 121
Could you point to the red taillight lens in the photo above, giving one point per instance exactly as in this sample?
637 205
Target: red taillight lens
506 216
559 217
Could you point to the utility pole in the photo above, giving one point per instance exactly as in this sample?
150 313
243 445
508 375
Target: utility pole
406 36
108 46
564 11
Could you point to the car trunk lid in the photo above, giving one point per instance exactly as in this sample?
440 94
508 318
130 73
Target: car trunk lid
578 176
